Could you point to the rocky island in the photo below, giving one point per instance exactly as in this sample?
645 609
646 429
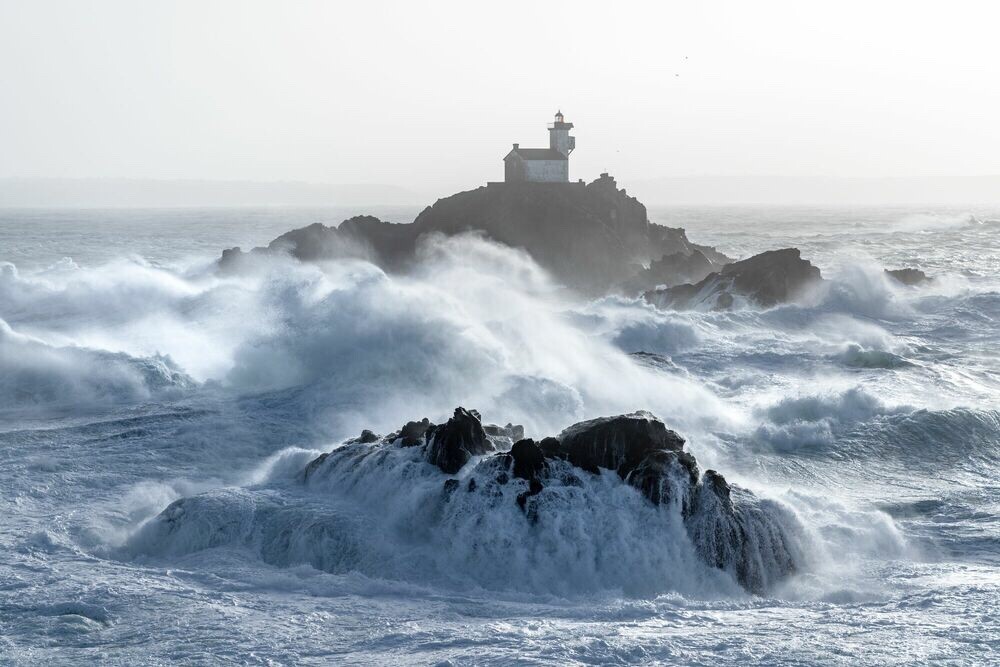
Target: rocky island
593 238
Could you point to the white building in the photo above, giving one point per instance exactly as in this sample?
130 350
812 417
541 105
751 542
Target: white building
542 165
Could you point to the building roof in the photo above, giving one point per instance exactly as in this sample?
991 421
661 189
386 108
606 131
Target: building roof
537 154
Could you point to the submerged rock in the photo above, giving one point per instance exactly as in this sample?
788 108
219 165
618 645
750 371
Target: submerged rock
767 279
908 276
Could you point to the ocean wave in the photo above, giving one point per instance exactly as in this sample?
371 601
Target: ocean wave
957 438
34 374
816 421
369 348
856 356
929 222
856 424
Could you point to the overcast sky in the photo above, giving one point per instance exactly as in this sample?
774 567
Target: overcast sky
431 94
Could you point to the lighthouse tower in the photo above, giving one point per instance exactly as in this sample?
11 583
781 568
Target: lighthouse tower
559 139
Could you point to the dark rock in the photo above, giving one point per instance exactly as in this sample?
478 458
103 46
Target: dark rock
451 445
770 278
711 254
657 361
674 269
617 443
718 485
733 530
412 434
367 437
314 465
512 431
534 488
908 276
450 486
231 258
661 474
551 448
515 431
529 461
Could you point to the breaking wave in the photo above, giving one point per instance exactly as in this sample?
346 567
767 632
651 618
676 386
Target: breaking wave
34 374
856 356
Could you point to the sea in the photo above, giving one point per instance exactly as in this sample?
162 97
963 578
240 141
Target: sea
133 374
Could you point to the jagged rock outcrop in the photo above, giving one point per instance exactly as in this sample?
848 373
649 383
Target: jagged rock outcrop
616 443
736 531
661 472
413 433
367 437
767 279
908 276
528 460
674 269
731 529
594 237
452 444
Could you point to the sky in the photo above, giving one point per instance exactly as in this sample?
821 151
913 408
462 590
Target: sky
430 96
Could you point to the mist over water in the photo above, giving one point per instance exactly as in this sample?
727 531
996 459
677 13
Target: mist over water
134 378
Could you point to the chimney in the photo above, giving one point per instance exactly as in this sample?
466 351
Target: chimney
516 145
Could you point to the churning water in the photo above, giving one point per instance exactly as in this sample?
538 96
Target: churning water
133 376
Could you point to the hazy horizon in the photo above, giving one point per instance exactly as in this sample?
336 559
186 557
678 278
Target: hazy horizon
704 190
429 99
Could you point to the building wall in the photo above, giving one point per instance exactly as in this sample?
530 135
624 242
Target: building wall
561 141
538 171
513 170
546 171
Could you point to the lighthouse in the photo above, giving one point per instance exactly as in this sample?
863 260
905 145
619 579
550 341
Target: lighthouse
559 139
543 165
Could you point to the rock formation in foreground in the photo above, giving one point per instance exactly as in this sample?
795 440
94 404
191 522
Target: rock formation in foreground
594 238
767 279
756 541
